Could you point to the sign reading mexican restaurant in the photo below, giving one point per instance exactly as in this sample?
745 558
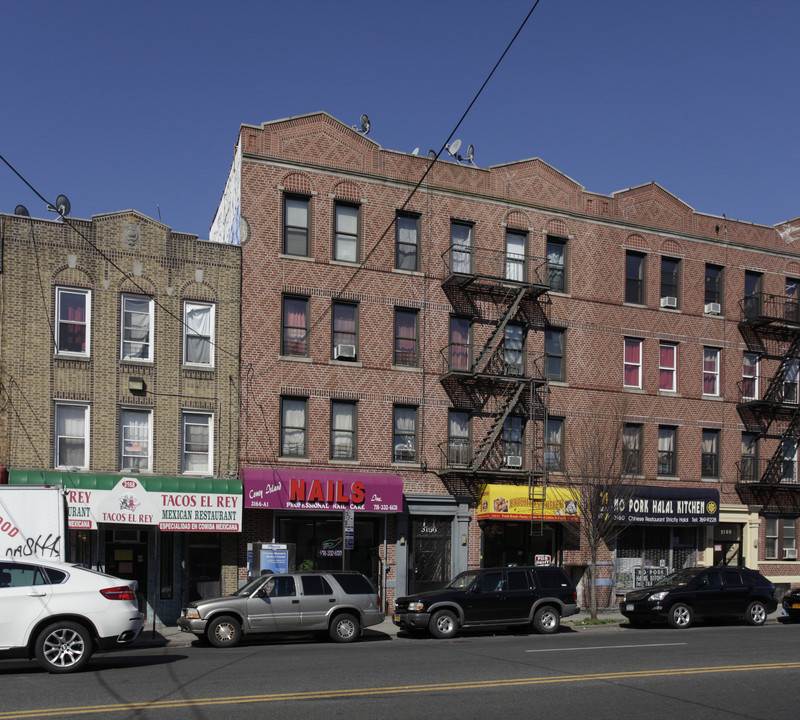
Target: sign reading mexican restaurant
302 489
129 503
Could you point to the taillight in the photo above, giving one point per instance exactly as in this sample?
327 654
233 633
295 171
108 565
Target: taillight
123 592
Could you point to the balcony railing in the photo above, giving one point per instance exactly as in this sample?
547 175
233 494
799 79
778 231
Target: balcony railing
516 268
762 389
764 307
781 471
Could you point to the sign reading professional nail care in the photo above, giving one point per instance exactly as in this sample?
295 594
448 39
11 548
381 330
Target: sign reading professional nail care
303 489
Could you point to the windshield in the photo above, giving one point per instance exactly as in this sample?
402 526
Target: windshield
462 580
251 587
682 577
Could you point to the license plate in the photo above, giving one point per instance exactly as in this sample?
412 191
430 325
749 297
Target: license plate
397 618
629 607
795 606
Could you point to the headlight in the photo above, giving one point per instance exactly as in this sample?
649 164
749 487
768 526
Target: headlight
659 595
192 614
416 606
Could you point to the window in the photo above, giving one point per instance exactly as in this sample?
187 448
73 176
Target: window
632 363
407 242
294 336
791 309
713 284
710 454
406 337
781 536
554 445
513 433
752 293
670 281
459 448
749 376
790 372
73 321
198 333
71 436
295 225
748 467
789 466
557 263
667 359
343 430
345 331
405 434
198 443
460 248
632 449
294 414
515 255
710 371
135 434
634 277
137 327
554 354
460 347
345 241
513 350
667 456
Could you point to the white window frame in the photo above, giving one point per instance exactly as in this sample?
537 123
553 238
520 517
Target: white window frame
123 341
671 368
638 365
343 238
57 460
192 417
124 436
753 377
711 373
87 322
188 331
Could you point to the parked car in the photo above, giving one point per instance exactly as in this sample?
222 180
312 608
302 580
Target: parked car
715 592
791 604
61 613
537 596
339 604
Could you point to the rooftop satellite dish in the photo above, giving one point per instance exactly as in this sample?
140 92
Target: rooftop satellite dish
431 154
63 205
453 149
415 151
470 156
365 124
22 211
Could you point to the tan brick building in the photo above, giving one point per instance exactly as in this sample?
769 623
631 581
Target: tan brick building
120 343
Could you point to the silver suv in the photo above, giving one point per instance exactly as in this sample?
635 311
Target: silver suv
337 603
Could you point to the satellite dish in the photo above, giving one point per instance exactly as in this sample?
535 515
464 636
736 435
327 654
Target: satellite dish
365 124
415 151
63 205
22 211
471 153
431 154
453 149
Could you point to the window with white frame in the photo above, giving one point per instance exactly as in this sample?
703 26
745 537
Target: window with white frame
515 255
632 449
407 241
460 248
345 241
632 363
294 427
344 335
295 225
459 448
135 434
405 433
197 455
710 454
514 350
791 369
137 327
557 263
513 436
554 445
73 321
667 367
711 371
789 465
667 450
748 465
198 333
406 337
343 430
71 436
460 343
294 327
749 376
781 538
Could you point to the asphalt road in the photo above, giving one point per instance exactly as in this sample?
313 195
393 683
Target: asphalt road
709 671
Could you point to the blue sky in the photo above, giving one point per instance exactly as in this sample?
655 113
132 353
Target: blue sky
138 105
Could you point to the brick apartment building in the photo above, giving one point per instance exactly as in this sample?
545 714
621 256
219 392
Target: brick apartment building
120 343
429 360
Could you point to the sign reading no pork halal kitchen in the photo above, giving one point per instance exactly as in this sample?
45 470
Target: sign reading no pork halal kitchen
667 506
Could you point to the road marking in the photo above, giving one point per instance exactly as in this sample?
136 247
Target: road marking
391 690
601 647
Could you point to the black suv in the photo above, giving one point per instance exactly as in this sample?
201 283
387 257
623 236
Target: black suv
491 596
714 592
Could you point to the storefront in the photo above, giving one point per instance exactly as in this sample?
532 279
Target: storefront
173 535
519 529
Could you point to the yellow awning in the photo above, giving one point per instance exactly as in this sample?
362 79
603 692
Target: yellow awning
511 502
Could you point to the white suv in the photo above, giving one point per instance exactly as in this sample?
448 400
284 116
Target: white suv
62 613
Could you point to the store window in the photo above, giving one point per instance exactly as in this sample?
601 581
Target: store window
645 554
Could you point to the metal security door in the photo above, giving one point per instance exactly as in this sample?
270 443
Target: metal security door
429 554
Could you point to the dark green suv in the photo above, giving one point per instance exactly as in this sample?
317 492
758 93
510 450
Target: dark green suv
537 596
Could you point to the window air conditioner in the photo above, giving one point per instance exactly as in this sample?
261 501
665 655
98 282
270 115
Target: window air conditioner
713 308
669 302
344 352
790 553
513 461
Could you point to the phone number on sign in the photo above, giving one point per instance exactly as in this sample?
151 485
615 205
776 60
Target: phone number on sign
389 508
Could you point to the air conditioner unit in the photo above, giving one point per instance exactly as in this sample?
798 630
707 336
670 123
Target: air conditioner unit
790 553
513 461
344 352
713 308
669 301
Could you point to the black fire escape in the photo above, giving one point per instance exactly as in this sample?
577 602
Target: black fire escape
490 375
768 403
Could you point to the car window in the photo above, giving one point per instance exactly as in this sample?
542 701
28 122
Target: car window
280 586
551 577
15 575
354 583
53 576
316 585
518 580
712 580
732 577
461 580
490 582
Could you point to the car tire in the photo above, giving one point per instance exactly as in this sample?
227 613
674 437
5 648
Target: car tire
756 613
344 628
64 647
546 620
680 616
224 631
443 624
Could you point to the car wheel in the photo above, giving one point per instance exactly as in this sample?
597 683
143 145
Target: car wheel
443 624
756 613
224 631
63 647
546 620
345 628
680 616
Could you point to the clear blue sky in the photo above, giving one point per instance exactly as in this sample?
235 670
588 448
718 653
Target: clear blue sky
138 104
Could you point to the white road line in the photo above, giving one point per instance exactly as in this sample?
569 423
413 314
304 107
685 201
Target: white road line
605 647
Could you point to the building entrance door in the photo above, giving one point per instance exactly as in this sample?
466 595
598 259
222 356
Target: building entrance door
429 552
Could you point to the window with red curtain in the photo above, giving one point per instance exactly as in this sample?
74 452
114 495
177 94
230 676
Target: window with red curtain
72 320
295 326
405 337
666 367
459 344
633 363
710 371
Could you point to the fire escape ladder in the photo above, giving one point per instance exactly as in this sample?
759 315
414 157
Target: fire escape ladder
508 403
488 349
